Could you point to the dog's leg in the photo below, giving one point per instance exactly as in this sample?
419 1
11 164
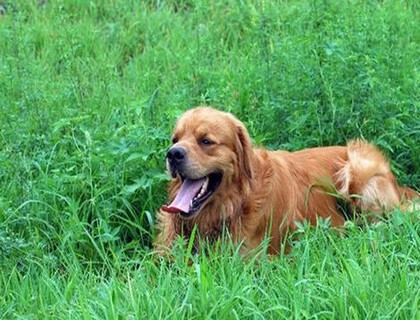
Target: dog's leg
166 233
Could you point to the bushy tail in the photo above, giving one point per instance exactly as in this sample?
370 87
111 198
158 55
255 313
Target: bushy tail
367 182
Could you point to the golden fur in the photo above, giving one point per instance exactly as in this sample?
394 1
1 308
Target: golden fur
265 192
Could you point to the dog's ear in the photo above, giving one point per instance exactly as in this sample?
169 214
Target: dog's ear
244 149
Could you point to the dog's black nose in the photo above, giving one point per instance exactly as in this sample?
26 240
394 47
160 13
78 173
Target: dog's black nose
176 154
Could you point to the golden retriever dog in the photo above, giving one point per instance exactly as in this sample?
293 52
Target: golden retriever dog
221 181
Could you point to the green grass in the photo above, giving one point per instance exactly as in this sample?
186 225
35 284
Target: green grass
89 91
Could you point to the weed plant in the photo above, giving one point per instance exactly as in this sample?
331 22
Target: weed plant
89 91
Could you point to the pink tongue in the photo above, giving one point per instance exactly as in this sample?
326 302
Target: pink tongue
182 201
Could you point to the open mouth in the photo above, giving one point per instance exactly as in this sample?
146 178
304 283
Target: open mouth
192 194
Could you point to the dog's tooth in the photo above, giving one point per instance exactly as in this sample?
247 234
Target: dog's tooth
203 190
204 187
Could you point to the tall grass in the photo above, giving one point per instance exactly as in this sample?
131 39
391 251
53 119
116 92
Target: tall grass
89 92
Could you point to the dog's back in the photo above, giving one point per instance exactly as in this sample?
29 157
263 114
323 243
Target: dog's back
309 184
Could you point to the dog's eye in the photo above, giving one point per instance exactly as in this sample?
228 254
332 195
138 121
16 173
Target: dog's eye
206 142
174 140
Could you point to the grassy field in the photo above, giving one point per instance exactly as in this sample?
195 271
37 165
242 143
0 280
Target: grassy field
89 91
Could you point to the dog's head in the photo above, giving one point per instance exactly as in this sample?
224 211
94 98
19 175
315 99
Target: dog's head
210 153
